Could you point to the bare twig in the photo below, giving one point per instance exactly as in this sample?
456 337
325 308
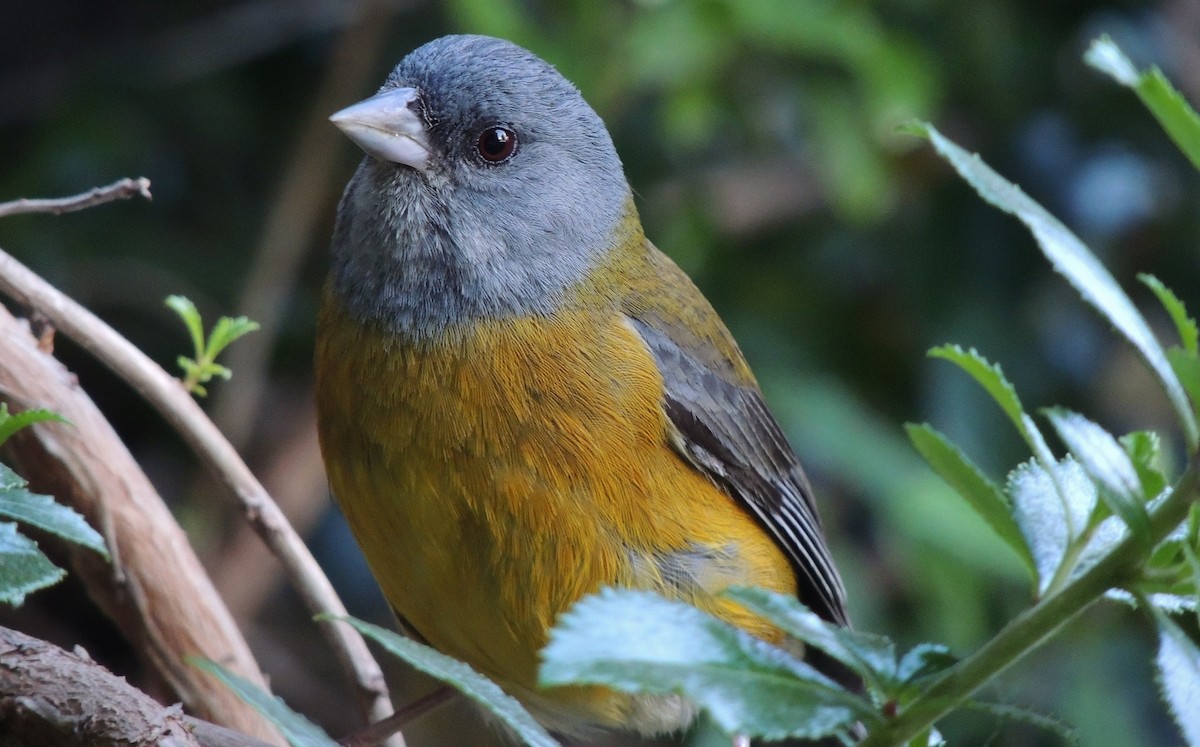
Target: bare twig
167 395
243 571
122 189
51 696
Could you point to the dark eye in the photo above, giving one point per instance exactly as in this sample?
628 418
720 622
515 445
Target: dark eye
496 144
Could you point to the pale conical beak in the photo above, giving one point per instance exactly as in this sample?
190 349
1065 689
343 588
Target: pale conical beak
387 127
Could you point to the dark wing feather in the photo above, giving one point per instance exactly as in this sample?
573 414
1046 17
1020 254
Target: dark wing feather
725 430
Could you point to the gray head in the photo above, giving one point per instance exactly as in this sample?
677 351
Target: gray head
489 188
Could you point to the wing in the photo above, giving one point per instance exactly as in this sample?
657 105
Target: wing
722 426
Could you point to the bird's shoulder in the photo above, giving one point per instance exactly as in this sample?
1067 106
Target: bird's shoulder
718 418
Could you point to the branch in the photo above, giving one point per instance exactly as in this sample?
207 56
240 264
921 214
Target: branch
122 189
155 590
166 394
380 731
1037 624
50 696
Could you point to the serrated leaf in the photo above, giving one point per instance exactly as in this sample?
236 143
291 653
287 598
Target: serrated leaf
1170 108
872 656
299 731
1027 716
10 480
968 481
1172 604
11 423
992 379
461 677
45 513
1145 449
636 641
1053 512
189 366
924 660
1189 550
1178 664
1071 258
988 375
225 331
183 306
23 567
1189 334
1107 464
1186 366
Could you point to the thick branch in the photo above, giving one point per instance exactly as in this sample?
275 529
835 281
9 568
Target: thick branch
50 696
155 589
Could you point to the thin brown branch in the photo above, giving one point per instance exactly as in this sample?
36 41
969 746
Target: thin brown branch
167 395
122 189
244 571
381 730
154 589
51 696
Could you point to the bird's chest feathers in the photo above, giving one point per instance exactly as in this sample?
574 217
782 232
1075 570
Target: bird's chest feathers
504 432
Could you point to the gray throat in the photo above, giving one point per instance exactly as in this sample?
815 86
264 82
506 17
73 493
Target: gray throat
419 266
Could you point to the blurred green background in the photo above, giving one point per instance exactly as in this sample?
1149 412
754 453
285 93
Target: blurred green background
760 137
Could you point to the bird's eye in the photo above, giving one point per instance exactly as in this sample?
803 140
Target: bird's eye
496 144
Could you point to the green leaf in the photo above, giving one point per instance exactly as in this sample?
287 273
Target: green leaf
1191 546
1156 92
1187 367
982 494
461 677
1178 664
1107 464
1016 713
636 641
203 367
992 379
226 330
1079 266
45 513
1145 449
872 656
23 567
299 731
924 660
1053 512
989 376
186 310
1171 603
1184 324
11 423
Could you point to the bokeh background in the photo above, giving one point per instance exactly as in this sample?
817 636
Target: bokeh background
761 139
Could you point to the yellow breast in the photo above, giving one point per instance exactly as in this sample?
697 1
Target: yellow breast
495 477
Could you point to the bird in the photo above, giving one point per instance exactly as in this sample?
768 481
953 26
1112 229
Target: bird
522 401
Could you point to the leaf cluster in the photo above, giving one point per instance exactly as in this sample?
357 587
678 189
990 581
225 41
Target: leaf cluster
24 568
